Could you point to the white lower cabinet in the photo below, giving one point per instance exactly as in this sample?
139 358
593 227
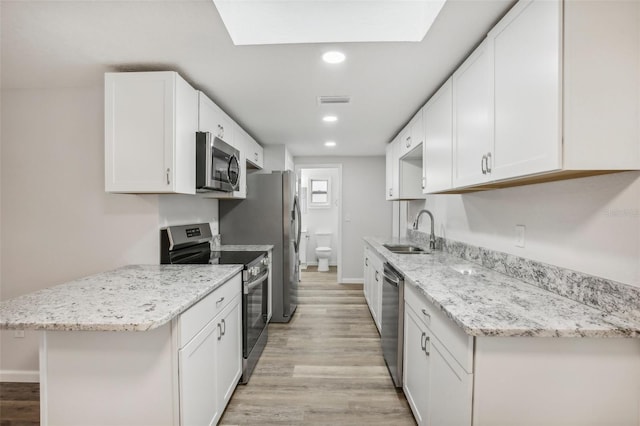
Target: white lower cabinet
454 379
182 373
210 364
373 269
437 387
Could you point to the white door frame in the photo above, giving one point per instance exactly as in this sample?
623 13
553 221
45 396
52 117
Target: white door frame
339 239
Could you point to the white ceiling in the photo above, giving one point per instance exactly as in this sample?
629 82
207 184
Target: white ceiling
271 90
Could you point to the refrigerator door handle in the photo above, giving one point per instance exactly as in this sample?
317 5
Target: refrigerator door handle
296 206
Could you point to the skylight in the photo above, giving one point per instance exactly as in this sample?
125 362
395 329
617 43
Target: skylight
251 22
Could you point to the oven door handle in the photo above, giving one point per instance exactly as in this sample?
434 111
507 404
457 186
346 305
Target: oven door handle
254 284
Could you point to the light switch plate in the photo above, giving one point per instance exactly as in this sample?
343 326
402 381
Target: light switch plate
520 229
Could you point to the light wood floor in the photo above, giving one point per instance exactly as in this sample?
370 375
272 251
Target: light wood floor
324 367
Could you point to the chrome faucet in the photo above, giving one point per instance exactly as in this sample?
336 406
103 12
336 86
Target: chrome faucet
432 237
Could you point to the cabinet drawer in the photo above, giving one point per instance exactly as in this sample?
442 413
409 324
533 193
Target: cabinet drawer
453 338
197 316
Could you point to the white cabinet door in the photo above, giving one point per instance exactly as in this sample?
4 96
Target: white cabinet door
438 143
229 351
392 169
450 388
211 118
473 117
416 366
150 124
197 372
526 46
367 283
376 288
254 152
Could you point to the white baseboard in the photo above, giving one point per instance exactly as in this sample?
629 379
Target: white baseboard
352 281
315 263
22 376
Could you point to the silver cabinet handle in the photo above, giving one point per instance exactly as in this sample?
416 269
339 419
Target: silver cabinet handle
426 341
424 182
408 141
390 192
377 274
426 314
488 160
219 332
168 176
366 261
224 327
482 165
219 300
423 342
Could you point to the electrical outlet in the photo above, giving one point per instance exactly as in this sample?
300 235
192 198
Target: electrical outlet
19 334
520 235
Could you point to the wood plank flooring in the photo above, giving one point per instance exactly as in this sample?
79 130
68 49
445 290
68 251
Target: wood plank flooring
324 367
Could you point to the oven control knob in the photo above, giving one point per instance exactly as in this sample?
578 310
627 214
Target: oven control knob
265 261
255 270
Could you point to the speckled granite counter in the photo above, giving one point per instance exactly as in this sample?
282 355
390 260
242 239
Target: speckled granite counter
132 298
244 247
488 303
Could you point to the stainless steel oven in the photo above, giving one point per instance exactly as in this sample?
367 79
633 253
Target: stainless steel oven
191 244
217 164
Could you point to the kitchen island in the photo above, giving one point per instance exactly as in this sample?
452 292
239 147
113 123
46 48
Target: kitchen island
139 345
485 348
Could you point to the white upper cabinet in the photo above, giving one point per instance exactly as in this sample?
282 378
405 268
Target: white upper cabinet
150 124
527 87
254 152
552 93
412 135
473 118
214 120
438 141
392 179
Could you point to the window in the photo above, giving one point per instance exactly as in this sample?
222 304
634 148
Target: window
319 193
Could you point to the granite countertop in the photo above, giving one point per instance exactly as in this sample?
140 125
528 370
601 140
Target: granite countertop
131 298
488 303
244 247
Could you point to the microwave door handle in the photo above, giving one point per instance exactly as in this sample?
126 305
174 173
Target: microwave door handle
233 159
209 162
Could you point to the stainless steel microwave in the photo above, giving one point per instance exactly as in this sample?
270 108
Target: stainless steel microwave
217 164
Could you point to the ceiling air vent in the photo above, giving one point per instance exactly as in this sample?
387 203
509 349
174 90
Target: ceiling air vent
332 100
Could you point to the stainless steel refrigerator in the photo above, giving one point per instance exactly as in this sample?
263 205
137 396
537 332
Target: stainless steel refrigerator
269 215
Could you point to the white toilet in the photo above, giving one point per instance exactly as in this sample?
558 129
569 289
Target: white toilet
323 250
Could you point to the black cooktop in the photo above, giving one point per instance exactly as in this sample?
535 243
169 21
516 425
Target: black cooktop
235 257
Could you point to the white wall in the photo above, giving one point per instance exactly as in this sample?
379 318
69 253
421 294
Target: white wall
321 219
57 222
590 225
365 212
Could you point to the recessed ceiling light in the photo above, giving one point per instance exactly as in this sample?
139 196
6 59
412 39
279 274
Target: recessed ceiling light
329 118
333 57
330 144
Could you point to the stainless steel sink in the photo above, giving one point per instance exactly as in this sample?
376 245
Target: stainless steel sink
405 249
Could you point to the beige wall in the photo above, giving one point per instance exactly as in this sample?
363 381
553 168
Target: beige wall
363 183
57 222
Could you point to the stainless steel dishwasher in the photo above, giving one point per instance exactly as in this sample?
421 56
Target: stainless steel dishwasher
393 322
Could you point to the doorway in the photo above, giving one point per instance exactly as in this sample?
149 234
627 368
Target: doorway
320 193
